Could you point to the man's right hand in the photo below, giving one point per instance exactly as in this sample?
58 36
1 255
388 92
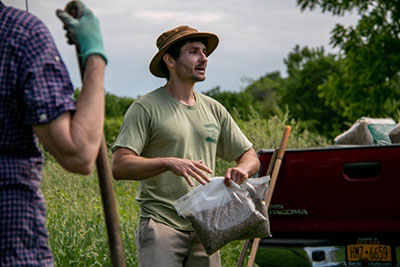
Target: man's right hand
84 31
189 168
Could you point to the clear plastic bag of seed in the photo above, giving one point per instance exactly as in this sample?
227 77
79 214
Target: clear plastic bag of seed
221 214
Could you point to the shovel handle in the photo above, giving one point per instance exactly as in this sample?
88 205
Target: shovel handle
75 9
276 162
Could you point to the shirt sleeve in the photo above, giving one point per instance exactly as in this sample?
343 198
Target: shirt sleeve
232 143
47 88
135 130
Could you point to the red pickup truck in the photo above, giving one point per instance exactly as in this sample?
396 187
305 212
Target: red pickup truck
339 205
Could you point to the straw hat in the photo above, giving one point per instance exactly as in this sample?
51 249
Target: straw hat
168 38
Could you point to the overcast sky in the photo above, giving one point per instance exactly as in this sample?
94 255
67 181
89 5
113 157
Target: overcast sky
255 37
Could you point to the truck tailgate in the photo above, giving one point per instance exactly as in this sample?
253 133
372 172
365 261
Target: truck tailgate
336 190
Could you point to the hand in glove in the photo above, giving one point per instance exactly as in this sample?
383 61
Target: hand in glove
82 29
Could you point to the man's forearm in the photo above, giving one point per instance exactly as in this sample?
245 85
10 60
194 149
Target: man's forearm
88 119
137 168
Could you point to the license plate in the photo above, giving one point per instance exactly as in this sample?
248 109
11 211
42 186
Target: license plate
370 252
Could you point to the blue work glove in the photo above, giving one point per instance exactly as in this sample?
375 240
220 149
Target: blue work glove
83 31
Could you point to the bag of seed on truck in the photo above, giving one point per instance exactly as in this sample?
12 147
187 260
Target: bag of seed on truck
221 214
367 131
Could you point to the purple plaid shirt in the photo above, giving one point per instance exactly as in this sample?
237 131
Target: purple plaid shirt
34 88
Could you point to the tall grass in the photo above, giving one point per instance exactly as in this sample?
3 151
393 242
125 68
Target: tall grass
75 218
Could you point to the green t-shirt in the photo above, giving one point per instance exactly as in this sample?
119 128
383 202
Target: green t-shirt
157 125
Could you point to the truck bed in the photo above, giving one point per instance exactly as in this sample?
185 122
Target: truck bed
326 191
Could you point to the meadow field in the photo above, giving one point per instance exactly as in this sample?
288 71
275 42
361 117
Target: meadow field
75 219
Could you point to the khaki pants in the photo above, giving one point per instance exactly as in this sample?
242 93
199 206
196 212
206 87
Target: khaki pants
160 245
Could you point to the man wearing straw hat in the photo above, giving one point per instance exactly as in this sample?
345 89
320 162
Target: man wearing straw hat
169 141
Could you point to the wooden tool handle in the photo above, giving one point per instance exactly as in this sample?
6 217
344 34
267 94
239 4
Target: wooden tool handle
75 9
274 177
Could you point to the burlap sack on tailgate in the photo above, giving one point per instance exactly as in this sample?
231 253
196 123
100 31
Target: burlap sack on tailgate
395 134
367 131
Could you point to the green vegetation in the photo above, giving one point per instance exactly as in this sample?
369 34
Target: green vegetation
367 81
75 221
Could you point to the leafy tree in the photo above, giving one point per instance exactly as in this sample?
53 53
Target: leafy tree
307 70
240 103
115 110
117 106
368 80
265 92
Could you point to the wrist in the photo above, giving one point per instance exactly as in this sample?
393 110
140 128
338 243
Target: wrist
91 53
95 59
166 164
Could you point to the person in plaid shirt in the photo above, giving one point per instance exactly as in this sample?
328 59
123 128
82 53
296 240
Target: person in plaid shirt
36 103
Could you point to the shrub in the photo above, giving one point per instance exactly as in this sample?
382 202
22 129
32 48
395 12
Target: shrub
111 129
267 134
